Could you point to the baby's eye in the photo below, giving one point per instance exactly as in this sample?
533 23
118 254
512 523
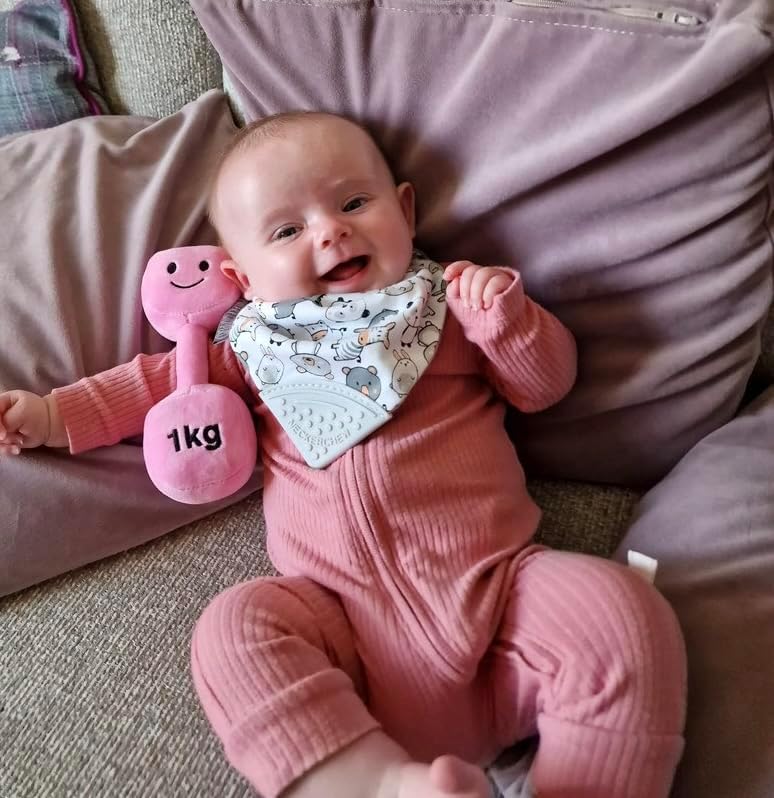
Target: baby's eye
286 232
354 204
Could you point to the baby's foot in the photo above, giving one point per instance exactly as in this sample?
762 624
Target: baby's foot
447 777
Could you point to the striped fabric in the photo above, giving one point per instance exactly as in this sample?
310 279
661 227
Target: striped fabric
44 74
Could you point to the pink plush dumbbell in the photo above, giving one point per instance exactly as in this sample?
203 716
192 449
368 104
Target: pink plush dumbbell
199 442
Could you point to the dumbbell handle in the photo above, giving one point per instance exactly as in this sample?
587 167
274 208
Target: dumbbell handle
192 367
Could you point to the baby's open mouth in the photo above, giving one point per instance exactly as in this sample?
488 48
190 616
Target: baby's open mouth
346 269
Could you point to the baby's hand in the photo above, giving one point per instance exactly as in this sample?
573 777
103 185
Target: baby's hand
476 286
25 421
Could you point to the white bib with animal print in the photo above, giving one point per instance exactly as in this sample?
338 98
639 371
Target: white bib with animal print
333 368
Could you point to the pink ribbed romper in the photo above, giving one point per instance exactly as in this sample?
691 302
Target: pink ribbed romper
411 598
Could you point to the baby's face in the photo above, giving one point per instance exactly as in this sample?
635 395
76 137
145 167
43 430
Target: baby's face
314 211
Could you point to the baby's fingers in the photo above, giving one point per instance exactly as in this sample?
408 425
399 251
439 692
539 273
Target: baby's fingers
25 420
454 275
467 281
477 291
455 269
9 448
496 285
15 420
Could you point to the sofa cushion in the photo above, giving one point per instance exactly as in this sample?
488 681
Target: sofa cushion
46 75
83 206
621 164
710 524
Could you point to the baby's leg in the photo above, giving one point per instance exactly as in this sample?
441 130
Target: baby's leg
277 674
596 655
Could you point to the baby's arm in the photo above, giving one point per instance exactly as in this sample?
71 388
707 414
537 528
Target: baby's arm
105 408
529 355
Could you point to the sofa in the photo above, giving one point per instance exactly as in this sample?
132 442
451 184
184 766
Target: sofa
95 692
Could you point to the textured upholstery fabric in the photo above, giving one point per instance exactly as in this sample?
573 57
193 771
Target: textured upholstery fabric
95 694
582 517
152 57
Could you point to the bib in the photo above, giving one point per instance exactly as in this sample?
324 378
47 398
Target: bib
333 368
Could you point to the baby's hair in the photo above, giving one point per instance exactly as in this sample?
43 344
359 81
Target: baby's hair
270 127
275 125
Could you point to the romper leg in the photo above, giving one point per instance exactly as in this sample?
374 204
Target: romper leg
276 672
590 657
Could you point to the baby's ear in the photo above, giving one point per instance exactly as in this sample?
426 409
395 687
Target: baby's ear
406 199
236 275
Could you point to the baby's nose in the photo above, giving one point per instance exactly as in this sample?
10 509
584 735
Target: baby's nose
331 231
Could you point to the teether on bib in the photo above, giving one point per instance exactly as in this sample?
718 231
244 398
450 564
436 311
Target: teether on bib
333 368
199 442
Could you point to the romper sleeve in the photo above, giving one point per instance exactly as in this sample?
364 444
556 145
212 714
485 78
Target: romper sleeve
529 356
106 408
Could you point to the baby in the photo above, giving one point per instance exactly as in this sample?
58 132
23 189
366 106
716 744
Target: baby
416 631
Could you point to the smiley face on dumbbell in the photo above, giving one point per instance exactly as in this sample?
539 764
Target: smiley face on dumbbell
172 268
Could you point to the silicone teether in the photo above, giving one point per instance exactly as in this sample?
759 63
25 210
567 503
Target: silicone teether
199 442
323 419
